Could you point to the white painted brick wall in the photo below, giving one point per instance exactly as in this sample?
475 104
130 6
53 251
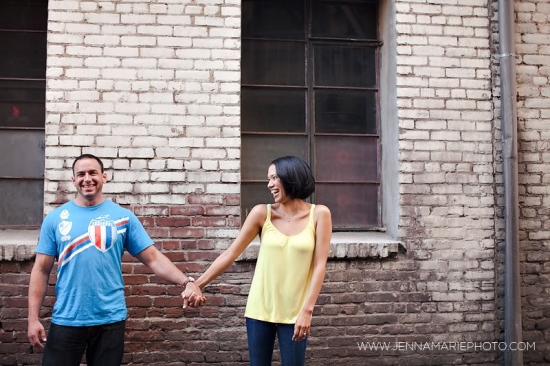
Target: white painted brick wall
123 78
533 20
445 119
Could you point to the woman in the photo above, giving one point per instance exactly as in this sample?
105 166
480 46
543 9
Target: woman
295 239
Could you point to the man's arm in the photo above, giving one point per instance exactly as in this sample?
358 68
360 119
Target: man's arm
40 274
165 269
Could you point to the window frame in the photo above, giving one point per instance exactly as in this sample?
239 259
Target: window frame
310 43
21 89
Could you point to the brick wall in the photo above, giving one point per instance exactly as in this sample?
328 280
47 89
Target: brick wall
533 72
362 301
153 87
446 167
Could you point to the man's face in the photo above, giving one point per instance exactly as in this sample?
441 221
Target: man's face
88 179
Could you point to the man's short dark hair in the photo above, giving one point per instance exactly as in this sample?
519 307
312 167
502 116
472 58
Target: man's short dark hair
89 156
296 176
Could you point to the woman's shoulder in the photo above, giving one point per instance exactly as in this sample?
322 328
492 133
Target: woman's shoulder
262 207
321 210
258 213
321 213
322 218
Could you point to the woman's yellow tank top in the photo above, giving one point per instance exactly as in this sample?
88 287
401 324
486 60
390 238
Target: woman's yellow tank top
283 273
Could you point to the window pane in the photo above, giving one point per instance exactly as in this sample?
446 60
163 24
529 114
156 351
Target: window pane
273 110
28 147
346 159
21 202
259 151
340 19
275 19
273 63
351 205
24 55
345 66
313 94
24 14
22 103
253 194
345 111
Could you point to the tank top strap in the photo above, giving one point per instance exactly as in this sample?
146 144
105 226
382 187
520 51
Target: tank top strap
268 217
311 221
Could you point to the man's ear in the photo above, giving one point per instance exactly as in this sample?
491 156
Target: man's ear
104 177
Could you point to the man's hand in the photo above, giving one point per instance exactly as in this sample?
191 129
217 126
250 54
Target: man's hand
192 295
37 291
36 333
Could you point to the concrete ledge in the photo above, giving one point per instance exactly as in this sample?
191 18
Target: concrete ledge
346 246
18 245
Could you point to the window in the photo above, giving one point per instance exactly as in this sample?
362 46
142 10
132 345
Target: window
310 88
23 25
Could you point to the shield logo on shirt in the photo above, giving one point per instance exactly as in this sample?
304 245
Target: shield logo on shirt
64 227
103 233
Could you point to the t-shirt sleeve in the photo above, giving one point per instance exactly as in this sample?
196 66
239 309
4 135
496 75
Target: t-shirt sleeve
46 241
137 238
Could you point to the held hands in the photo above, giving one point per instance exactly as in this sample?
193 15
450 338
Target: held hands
302 326
36 333
192 295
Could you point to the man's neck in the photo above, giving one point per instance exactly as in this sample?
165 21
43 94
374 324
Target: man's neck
85 202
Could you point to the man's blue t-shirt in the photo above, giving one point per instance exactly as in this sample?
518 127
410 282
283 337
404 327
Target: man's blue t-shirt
88 243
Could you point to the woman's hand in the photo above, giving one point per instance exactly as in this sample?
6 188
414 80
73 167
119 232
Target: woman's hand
192 295
302 326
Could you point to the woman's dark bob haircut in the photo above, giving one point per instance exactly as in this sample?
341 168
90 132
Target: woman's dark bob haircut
296 176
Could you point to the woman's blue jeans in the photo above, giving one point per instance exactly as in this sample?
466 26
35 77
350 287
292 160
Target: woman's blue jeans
103 344
261 340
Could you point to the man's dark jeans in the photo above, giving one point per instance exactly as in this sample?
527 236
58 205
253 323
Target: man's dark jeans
103 344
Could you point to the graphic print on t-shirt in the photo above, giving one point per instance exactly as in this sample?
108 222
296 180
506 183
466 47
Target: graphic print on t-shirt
65 226
102 234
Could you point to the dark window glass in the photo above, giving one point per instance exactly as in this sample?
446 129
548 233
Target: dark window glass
345 66
23 55
345 111
21 202
344 19
22 103
273 63
315 98
352 206
255 193
261 150
24 14
273 110
28 147
346 159
275 19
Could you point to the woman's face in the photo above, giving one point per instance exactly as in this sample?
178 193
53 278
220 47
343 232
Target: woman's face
274 184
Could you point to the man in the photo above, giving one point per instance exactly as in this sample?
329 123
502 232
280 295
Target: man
88 236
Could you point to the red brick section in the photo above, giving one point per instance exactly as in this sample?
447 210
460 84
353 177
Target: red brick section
362 301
